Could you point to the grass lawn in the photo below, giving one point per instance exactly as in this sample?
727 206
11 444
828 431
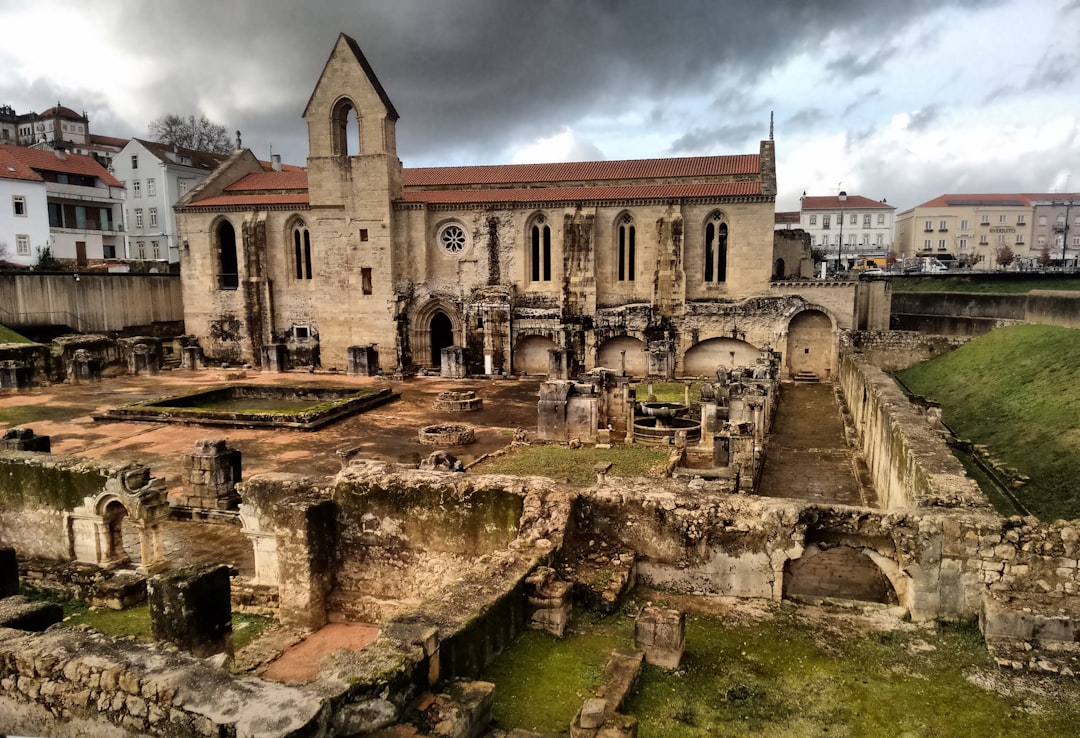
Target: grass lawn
982 284
575 464
788 674
1016 390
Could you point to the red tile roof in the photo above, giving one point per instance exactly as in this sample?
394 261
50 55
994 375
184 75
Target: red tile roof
251 200
283 180
13 168
999 199
47 161
63 112
205 160
790 216
584 171
589 194
833 202
108 141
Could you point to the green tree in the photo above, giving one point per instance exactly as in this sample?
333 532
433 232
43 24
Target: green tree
1044 257
1005 256
199 133
46 262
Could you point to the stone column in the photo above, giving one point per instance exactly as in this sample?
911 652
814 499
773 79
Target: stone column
13 375
145 361
210 475
560 364
191 357
453 363
549 601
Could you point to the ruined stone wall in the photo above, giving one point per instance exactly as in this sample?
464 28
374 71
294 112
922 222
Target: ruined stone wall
71 683
909 462
893 351
37 492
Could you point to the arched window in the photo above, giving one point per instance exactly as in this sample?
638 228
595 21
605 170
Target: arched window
627 248
228 270
345 129
540 251
301 242
716 235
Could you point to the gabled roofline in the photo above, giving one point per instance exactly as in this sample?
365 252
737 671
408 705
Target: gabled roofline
391 111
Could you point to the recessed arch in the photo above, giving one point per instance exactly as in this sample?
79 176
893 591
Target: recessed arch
705 357
811 345
610 355
531 354
625 247
843 572
715 256
538 238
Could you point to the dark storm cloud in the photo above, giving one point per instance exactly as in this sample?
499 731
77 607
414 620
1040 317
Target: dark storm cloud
923 118
1052 71
471 76
705 140
853 66
805 118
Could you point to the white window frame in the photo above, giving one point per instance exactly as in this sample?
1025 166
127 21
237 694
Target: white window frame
138 218
22 244
136 188
18 202
151 187
153 217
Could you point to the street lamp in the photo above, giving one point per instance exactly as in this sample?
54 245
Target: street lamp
840 244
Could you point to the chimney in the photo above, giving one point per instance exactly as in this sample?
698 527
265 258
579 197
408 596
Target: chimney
275 162
60 153
843 196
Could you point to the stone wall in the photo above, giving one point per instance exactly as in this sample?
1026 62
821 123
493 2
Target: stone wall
93 303
893 351
967 314
909 462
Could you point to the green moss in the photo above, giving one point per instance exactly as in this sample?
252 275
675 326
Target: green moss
787 676
9 336
1015 391
246 628
133 622
575 464
50 487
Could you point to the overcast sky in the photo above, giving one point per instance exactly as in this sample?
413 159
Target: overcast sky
885 99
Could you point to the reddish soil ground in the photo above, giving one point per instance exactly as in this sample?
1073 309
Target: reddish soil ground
300 663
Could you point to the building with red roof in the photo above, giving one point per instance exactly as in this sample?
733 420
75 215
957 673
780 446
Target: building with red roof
847 227
651 266
68 202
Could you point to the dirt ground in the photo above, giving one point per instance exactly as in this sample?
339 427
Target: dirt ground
388 432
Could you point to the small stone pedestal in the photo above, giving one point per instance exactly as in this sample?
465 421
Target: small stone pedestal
210 476
274 357
457 402
453 363
192 609
23 439
191 357
144 360
13 375
83 367
661 634
363 361
549 601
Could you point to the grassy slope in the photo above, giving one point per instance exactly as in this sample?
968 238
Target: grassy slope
1017 390
9 336
981 285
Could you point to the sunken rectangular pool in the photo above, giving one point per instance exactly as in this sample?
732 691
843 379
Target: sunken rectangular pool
255 406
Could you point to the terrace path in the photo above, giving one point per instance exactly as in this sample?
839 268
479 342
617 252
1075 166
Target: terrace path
806 456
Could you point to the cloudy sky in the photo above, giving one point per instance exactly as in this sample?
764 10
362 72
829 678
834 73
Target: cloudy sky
897 100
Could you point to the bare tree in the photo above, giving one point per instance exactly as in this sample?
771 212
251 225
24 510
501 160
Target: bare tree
199 133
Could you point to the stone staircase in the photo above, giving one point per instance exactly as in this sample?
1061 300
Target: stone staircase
805 376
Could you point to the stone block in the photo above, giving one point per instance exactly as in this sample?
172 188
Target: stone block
592 713
661 634
192 609
24 439
21 614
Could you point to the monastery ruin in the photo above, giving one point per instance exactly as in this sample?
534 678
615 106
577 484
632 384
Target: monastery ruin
576 287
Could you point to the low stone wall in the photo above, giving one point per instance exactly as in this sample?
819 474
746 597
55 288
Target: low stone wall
909 462
892 351
68 682
972 314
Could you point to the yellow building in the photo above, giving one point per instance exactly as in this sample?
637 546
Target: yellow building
972 229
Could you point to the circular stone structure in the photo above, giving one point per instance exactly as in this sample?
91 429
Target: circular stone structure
661 421
457 402
447 434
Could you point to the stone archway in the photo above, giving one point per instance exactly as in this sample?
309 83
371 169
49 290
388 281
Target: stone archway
531 355
623 353
705 357
811 346
113 517
841 572
435 325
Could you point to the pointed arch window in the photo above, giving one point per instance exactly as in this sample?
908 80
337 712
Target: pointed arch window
540 250
301 243
228 266
716 243
627 256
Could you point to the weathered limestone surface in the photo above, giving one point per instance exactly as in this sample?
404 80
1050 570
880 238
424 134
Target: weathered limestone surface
192 609
661 634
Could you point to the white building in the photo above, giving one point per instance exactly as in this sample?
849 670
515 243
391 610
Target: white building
156 175
848 226
1056 227
83 203
24 213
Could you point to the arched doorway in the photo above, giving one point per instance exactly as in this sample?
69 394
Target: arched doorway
113 518
704 358
611 353
811 345
442 336
780 269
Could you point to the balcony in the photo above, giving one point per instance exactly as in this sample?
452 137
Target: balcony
1060 227
81 193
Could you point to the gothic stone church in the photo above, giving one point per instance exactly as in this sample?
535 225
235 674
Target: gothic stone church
657 267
